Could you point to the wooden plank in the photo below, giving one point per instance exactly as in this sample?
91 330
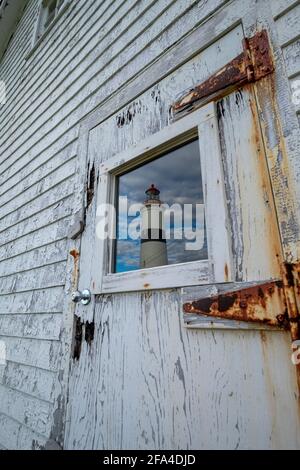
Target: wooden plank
26 410
50 197
164 277
41 229
35 170
43 185
279 7
49 145
38 278
35 326
19 437
151 391
39 301
161 41
216 218
46 255
32 352
36 382
291 55
249 195
288 26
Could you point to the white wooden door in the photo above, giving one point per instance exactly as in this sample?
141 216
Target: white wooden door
144 380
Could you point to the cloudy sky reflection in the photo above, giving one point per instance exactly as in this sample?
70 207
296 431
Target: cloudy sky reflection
177 175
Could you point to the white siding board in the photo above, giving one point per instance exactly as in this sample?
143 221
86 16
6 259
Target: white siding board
37 167
38 383
28 195
288 26
48 144
119 71
26 410
34 326
291 56
32 352
104 54
39 301
17 436
280 6
43 256
84 36
38 278
50 197
36 232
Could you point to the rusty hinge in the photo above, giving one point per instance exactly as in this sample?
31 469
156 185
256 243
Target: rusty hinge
254 63
262 302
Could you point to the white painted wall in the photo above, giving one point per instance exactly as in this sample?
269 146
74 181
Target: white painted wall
101 54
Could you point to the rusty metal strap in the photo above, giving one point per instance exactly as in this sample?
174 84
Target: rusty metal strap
254 63
262 303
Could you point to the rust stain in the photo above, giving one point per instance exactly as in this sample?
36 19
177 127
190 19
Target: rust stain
146 286
266 187
254 63
75 254
226 272
263 303
291 279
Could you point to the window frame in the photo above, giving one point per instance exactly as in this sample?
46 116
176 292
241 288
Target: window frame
217 268
38 34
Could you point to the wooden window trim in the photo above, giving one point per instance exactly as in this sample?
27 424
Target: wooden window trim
218 266
38 40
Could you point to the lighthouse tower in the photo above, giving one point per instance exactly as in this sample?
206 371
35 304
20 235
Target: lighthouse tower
153 242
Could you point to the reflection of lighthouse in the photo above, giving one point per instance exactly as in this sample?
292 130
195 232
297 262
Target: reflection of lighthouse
153 242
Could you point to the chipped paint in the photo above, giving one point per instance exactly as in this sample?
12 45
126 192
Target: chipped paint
279 168
254 63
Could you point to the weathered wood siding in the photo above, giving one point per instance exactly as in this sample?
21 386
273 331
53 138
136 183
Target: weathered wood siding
102 54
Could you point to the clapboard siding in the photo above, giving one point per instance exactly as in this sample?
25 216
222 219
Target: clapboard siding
34 326
57 58
38 383
291 55
42 256
97 87
287 23
91 54
279 7
35 231
33 352
93 49
26 410
32 301
18 436
19 43
288 26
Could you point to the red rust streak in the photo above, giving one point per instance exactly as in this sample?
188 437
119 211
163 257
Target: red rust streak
252 304
254 63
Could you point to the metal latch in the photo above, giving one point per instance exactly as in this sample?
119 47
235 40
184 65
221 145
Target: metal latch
83 296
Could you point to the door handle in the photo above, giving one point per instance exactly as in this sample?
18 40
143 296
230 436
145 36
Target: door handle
83 296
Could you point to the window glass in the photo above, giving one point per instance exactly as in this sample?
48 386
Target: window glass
160 212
